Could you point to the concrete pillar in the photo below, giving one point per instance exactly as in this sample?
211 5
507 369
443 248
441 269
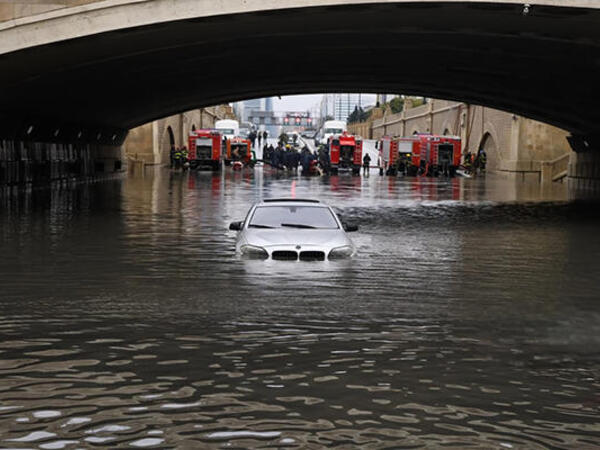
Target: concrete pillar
584 172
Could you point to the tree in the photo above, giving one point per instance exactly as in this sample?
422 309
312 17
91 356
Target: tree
358 115
397 104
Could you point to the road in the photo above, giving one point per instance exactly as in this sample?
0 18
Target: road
469 317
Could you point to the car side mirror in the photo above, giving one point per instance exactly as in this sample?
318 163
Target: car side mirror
350 227
236 226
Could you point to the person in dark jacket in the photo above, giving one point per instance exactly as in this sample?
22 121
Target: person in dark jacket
366 164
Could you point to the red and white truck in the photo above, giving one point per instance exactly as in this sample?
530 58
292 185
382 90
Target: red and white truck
424 154
345 153
204 149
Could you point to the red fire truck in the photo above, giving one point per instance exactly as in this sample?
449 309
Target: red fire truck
204 149
238 150
424 154
345 153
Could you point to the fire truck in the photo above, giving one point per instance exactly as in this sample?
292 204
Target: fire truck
238 150
424 154
345 153
204 149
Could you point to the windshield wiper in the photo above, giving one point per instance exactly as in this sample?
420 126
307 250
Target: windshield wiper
296 225
257 225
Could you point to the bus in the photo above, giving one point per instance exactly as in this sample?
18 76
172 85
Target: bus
332 128
228 128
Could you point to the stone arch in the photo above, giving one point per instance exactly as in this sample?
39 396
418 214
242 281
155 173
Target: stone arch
490 145
168 142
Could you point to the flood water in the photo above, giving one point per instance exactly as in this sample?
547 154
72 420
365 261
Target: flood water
469 317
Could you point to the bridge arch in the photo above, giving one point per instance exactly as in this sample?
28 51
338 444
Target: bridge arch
79 47
167 143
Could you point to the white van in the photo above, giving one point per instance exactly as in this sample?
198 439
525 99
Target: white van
331 128
228 128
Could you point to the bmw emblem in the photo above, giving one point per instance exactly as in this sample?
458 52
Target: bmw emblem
298 247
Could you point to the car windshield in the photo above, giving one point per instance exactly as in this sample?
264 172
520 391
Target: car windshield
333 131
226 131
293 217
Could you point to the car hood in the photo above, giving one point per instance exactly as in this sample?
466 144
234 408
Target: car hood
293 236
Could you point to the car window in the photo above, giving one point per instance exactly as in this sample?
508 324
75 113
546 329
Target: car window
297 216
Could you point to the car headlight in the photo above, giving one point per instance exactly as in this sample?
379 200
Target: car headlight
343 252
253 252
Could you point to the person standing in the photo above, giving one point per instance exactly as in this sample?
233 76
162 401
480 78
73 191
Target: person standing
172 156
366 164
265 136
259 137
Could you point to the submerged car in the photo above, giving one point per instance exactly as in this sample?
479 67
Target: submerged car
293 229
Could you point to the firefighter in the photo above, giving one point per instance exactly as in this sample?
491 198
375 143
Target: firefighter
172 156
236 153
177 158
408 165
468 162
482 159
324 159
184 156
366 164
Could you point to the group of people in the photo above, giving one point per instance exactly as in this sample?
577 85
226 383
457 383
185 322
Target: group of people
288 157
260 136
178 157
475 164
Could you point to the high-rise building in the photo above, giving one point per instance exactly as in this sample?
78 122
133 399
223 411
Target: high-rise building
340 106
244 109
269 104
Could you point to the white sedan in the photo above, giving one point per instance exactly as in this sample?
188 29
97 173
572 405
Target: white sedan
293 229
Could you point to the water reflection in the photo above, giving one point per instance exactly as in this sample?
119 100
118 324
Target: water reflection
468 318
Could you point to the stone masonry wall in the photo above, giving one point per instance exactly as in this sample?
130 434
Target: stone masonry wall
514 144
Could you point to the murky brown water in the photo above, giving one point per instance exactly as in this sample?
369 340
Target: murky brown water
470 317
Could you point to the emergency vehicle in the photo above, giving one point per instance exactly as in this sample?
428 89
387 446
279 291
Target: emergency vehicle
205 149
239 150
424 154
345 153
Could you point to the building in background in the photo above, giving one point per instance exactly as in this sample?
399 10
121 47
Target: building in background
340 106
246 108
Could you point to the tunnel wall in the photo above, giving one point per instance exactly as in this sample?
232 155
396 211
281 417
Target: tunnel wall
150 142
30 163
516 146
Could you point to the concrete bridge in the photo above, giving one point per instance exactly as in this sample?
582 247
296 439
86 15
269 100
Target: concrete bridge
92 72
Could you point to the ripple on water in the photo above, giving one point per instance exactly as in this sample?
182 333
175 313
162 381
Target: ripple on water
460 322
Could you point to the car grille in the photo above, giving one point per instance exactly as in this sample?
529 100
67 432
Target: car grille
312 256
285 255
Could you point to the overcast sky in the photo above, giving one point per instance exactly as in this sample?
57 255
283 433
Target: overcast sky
307 102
